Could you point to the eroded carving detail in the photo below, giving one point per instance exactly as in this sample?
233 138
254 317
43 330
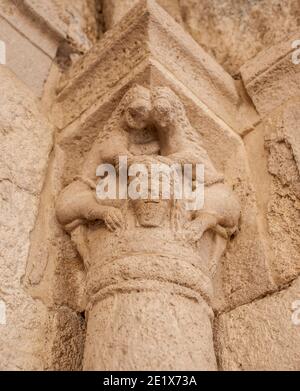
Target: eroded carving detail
149 264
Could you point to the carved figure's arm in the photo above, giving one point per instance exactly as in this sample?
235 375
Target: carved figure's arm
105 151
221 213
77 204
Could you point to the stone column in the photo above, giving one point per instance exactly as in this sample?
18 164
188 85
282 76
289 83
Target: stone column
149 262
147 315
150 326
149 92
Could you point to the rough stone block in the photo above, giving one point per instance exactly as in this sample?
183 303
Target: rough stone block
245 270
147 34
262 335
273 150
234 32
26 140
115 10
271 78
29 63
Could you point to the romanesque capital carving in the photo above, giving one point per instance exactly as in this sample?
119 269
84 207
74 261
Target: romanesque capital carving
149 259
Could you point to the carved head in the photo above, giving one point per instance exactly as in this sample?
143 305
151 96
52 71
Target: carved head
152 211
167 108
137 108
132 113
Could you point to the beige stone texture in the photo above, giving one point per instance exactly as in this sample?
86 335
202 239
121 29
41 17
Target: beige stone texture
65 340
30 48
136 284
261 335
149 36
135 258
272 78
29 63
231 31
26 140
238 281
55 276
43 328
73 20
273 150
54 273
284 206
29 28
115 10
235 31
159 334
33 31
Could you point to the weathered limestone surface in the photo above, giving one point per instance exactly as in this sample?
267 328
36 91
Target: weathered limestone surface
26 140
43 330
15 15
149 265
55 275
240 280
75 20
148 36
272 78
261 335
115 10
234 31
29 63
65 340
273 150
182 299
34 30
231 31
87 108
284 204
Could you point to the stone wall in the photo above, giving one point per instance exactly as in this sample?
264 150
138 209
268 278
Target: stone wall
39 331
26 141
231 31
35 31
262 334
61 84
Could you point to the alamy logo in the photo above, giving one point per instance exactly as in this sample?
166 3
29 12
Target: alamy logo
152 181
296 52
296 313
2 313
2 53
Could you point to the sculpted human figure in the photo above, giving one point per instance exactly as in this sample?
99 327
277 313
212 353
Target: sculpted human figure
77 203
149 263
177 142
